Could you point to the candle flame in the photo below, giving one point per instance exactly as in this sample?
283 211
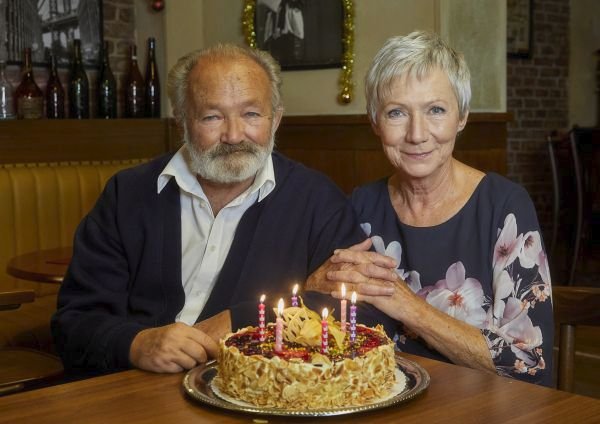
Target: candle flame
262 298
325 313
280 307
353 297
343 291
295 290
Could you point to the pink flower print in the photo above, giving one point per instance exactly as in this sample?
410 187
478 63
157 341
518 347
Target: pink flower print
459 297
544 268
508 245
518 330
520 366
541 292
532 246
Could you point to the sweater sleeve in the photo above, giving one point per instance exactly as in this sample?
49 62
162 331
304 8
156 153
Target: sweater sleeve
90 326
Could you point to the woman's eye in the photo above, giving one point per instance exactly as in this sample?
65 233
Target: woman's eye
394 113
252 115
437 110
209 118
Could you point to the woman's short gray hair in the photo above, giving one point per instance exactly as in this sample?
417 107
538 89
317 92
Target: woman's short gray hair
416 53
177 83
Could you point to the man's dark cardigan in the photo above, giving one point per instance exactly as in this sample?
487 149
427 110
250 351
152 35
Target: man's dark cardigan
125 275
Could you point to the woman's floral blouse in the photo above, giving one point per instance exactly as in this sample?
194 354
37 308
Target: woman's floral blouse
486 266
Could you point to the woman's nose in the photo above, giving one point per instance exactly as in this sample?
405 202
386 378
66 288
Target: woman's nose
417 131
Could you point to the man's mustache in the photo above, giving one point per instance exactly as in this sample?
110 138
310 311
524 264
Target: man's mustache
228 149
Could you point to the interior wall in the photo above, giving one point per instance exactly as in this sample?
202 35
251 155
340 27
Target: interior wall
476 27
584 42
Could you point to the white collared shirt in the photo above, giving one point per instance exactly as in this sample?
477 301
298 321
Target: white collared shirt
205 238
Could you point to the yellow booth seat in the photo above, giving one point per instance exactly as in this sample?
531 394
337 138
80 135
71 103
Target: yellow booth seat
41 205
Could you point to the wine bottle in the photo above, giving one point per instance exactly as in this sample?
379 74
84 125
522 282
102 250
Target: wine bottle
7 106
152 98
55 95
30 99
107 88
134 90
79 88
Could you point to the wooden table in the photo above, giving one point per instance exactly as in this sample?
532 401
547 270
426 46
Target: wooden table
44 266
456 394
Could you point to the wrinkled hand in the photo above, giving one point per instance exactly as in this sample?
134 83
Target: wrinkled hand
393 299
172 348
352 266
216 326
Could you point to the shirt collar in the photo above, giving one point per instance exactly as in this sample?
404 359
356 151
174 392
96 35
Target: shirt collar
178 168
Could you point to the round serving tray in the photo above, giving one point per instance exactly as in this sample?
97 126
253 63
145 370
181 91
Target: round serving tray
197 385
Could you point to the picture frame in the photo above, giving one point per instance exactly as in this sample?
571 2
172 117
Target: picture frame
301 34
50 28
519 28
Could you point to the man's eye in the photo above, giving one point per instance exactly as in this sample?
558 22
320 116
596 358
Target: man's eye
252 115
437 110
209 118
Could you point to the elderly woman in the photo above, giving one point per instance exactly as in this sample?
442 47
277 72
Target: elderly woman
471 282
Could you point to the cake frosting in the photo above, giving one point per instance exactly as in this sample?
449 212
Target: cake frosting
300 376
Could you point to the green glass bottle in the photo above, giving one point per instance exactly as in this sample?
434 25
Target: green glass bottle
107 88
79 88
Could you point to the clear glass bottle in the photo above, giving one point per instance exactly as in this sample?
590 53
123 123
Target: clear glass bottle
30 99
55 94
79 88
107 88
134 89
7 106
152 98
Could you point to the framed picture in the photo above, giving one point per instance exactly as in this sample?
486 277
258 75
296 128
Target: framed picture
301 34
50 26
519 31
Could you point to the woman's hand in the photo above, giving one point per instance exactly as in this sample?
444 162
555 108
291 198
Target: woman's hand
352 266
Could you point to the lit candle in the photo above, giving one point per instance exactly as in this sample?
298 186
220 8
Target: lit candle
294 295
343 308
261 318
324 332
353 318
279 327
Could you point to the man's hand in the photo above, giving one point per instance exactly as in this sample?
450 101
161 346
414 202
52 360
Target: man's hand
353 266
172 348
216 326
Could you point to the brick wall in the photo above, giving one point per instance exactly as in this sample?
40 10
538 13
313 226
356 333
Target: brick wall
538 100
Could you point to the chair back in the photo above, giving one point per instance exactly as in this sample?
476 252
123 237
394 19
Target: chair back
573 306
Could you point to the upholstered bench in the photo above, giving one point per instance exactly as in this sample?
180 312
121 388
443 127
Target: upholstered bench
40 208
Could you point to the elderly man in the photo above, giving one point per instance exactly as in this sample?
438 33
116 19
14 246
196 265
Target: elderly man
177 252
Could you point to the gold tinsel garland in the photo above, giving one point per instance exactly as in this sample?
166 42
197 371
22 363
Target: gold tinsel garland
345 81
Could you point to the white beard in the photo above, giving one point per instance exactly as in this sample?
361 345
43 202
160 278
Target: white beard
227 163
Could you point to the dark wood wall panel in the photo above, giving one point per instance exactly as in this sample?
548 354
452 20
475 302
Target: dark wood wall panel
342 146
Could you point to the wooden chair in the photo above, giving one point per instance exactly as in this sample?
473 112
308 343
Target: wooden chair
573 306
22 368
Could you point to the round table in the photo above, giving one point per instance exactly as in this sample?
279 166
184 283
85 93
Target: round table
43 266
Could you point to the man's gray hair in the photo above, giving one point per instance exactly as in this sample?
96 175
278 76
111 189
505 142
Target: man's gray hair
177 83
417 54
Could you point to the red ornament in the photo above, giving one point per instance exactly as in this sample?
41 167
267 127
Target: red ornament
158 5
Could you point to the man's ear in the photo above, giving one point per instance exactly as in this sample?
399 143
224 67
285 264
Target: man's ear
277 118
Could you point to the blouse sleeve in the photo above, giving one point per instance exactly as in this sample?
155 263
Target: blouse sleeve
520 321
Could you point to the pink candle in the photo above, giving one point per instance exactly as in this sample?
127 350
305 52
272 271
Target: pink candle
353 318
279 327
324 332
343 308
294 295
261 318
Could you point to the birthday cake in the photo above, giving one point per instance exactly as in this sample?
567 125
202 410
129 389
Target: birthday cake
301 374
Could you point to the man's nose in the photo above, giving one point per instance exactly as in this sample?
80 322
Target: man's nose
233 131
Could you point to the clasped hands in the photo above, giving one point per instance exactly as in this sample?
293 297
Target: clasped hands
372 275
